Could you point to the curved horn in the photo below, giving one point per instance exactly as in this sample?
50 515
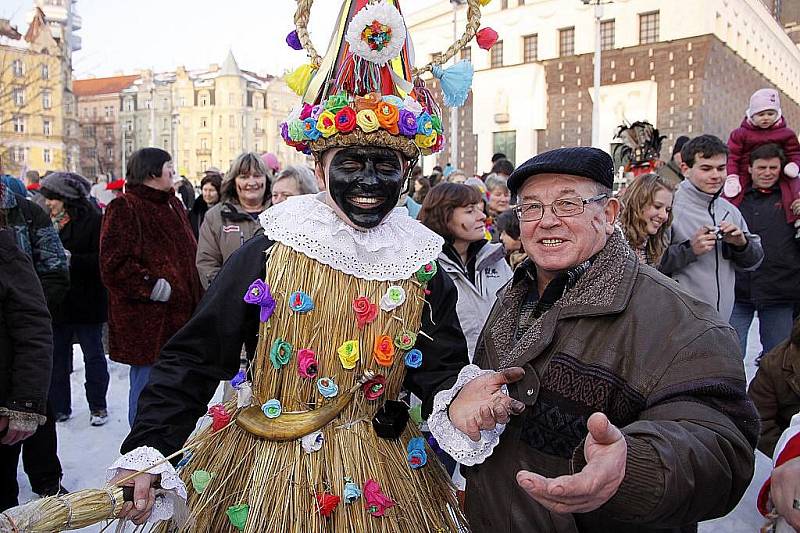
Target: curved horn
291 426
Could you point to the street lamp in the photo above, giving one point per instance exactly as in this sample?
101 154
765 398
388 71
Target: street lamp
598 14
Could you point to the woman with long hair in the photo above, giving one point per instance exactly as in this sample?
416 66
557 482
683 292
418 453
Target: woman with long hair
646 216
246 193
84 310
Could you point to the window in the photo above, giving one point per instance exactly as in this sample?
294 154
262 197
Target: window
204 144
109 131
45 72
18 154
47 100
109 111
46 156
257 125
496 59
18 67
129 104
165 144
648 27
110 151
128 149
91 153
19 96
165 104
129 125
46 127
203 165
607 34
164 123
530 48
466 53
231 121
19 124
566 41
204 122
505 142
203 99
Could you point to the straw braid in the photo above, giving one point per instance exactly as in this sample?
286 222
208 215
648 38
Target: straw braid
301 17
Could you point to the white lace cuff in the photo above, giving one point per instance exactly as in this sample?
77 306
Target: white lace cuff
454 442
174 491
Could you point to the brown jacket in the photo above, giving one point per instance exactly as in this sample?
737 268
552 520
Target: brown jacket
226 227
663 366
776 391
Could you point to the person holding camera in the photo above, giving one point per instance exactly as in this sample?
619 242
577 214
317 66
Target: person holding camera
774 289
709 238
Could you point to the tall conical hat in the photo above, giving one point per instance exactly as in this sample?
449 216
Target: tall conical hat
365 90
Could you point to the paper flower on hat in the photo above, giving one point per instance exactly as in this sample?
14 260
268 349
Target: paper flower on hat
326 123
307 364
388 116
310 130
384 350
413 358
312 442
395 297
219 417
367 120
272 408
349 354
300 302
336 102
237 514
407 123
345 120
259 294
426 272
327 387
375 501
200 480
365 311
374 388
405 340
417 458
293 41
352 491
280 353
486 37
377 33
326 503
368 101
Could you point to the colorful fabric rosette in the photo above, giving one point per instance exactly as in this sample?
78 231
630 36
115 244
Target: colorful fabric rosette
384 350
280 353
375 501
327 387
312 442
237 515
413 358
395 297
219 417
374 388
365 311
349 354
417 457
200 480
307 364
426 272
352 491
300 302
272 408
326 503
405 340
259 294
338 114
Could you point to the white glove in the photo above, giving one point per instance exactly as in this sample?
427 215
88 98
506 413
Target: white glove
732 186
162 290
791 170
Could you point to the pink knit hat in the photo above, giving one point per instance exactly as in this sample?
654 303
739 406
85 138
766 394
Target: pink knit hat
762 100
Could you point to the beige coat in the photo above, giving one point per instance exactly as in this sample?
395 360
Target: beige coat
226 227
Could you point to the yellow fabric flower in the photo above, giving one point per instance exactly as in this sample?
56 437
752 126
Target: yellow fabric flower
367 120
425 141
326 123
348 354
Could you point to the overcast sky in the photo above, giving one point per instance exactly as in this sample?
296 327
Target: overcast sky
122 36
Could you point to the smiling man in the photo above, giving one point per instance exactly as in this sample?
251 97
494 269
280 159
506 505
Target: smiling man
629 411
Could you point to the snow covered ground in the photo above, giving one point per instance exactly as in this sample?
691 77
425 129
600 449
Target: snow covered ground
87 451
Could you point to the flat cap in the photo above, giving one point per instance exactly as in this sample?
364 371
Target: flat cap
584 161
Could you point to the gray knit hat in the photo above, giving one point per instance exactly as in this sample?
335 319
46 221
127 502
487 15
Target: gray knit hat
65 185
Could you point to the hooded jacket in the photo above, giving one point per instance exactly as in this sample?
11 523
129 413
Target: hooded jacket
710 277
226 227
485 273
747 138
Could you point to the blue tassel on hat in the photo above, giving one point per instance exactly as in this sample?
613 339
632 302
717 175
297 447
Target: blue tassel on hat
456 82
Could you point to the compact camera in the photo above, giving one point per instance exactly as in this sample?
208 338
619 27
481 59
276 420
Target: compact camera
717 231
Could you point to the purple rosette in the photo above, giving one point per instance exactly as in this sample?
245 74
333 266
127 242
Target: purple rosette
259 294
294 41
407 123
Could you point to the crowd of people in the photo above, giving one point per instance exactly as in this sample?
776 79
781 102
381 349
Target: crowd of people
544 251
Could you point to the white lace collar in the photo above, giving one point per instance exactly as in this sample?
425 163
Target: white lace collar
391 251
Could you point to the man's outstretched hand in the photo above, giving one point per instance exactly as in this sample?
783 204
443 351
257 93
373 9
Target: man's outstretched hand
481 404
606 452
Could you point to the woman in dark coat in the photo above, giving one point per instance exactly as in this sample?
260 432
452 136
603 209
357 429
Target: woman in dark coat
147 253
85 309
210 193
25 358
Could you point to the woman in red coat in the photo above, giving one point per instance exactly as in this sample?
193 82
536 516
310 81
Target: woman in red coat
147 252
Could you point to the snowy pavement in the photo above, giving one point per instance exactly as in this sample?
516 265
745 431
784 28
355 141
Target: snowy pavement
87 451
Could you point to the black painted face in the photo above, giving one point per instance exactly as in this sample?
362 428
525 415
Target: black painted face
365 182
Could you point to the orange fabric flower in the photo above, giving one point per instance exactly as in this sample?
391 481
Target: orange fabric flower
384 350
388 116
368 101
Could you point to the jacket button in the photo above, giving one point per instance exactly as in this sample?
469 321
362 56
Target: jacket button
530 392
146 277
28 404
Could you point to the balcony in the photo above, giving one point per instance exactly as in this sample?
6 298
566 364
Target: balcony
259 131
203 151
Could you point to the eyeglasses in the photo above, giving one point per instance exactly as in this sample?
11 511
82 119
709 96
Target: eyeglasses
563 207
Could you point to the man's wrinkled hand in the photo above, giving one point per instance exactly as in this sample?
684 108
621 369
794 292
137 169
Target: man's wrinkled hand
481 404
606 451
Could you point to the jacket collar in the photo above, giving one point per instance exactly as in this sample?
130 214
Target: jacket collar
148 193
483 252
695 195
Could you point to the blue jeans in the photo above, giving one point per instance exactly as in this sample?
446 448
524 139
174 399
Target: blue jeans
774 323
90 338
139 376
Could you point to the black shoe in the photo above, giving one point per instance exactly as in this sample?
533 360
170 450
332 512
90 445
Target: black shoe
62 417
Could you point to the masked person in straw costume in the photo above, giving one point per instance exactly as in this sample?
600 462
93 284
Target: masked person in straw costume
341 302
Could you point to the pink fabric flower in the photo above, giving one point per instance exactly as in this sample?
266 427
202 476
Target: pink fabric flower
375 501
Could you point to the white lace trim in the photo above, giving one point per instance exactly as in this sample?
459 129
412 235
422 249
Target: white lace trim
391 251
458 444
142 458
